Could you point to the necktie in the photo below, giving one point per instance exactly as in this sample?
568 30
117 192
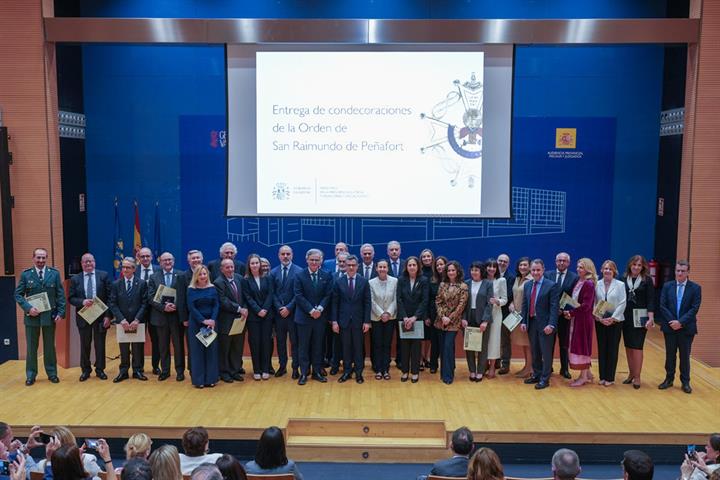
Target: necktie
129 287
284 277
681 289
168 279
395 269
146 274
351 285
234 289
367 271
560 278
89 290
40 274
314 279
532 299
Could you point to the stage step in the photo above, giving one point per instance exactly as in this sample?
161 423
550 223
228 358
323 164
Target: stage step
378 441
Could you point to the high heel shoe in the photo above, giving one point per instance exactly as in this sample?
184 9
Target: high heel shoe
415 378
628 381
636 386
404 377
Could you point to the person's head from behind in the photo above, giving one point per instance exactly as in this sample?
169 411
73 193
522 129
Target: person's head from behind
206 471
67 464
271 449
462 441
231 468
165 463
138 446
565 464
712 449
64 436
485 465
6 434
137 468
195 442
637 465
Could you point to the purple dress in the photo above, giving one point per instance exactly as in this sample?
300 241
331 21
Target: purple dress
582 325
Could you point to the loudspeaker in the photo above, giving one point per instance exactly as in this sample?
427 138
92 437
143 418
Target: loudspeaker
6 201
8 320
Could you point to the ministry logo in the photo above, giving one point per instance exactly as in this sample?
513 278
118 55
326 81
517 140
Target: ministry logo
281 191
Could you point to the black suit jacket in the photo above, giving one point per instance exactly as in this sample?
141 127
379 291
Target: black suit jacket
309 296
76 293
451 467
128 307
373 272
413 302
546 303
351 310
158 316
258 298
140 268
229 303
401 267
689 306
285 291
483 308
214 268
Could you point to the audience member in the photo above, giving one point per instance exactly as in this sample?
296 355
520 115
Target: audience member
206 471
270 457
196 444
457 465
637 465
18 470
66 439
12 448
137 468
485 465
67 464
702 464
565 464
231 468
165 463
138 446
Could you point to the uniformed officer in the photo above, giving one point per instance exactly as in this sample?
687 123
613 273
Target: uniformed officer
36 280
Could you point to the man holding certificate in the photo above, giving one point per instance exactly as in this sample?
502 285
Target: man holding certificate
89 292
230 321
127 303
40 294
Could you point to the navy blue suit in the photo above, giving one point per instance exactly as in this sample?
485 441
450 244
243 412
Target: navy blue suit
311 331
129 306
76 296
546 309
687 316
351 310
563 327
285 327
259 328
151 329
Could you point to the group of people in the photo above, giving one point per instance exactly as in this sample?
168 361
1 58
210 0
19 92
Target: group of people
326 308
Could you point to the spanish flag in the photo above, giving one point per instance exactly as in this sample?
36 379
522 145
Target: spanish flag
137 239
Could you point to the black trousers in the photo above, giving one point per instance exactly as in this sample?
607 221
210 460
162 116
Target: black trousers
260 341
381 335
678 342
90 334
138 356
154 344
311 337
434 345
505 343
230 349
398 348
477 360
172 333
352 342
563 336
286 328
541 346
608 339
337 351
410 356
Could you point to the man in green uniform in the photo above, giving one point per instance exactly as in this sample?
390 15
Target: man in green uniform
33 281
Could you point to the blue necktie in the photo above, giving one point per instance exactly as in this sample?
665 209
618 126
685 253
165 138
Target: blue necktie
681 288
168 279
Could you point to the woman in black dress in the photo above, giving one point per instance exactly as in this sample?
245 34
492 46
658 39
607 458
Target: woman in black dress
640 294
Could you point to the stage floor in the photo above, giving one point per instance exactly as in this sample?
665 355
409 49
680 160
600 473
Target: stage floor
497 410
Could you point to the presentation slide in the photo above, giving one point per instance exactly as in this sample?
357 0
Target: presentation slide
368 133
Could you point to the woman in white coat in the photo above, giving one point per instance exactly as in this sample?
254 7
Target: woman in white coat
608 326
383 314
499 299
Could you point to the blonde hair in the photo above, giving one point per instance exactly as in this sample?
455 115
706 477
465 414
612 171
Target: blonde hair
612 266
485 465
138 445
196 273
165 463
590 271
64 436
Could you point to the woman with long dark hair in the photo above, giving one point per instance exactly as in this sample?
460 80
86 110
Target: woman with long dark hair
640 294
412 299
258 292
271 457
451 300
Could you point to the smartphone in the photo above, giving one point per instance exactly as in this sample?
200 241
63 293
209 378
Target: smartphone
91 444
44 438
4 468
692 452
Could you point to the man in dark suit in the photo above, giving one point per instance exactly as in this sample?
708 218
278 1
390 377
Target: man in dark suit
565 464
145 269
330 265
504 271
34 281
679 304
313 293
232 306
539 312
395 268
367 268
227 250
128 297
284 301
165 316
84 288
565 279
351 318
457 465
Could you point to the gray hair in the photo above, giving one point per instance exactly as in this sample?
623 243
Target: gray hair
566 464
192 252
206 471
539 261
351 258
393 243
314 251
367 245
226 246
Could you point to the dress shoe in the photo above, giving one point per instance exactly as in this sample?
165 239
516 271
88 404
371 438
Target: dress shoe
140 376
210 385
238 377
163 376
54 379
302 380
531 380
636 386
565 374
359 379
180 377
334 371
665 384
280 372
433 371
447 382
404 378
415 379
256 377
241 371
272 371
541 385
29 382
503 371
227 379
120 378
84 376
295 374
628 381
266 376
323 372
344 377
101 375
686 388
156 371
319 378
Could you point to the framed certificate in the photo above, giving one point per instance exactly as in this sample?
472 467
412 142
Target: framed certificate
131 336
417 332
238 326
92 312
206 336
473 339
39 301
512 320
640 317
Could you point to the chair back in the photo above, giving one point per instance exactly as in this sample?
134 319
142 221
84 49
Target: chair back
37 475
276 476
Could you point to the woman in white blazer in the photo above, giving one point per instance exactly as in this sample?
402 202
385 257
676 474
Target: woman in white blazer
383 314
608 326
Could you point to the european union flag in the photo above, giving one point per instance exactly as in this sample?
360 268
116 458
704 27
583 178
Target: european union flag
118 245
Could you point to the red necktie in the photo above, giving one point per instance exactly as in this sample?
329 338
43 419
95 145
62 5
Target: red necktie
532 299
351 287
